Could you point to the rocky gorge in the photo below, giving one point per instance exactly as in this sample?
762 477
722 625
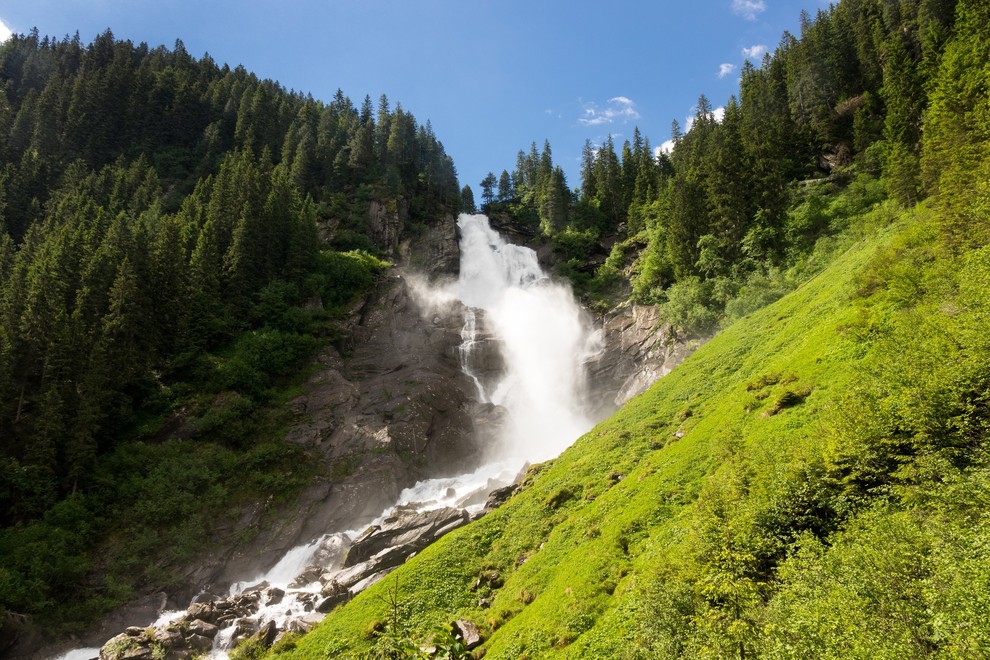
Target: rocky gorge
388 405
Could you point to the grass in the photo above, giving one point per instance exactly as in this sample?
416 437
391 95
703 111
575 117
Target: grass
570 549
732 509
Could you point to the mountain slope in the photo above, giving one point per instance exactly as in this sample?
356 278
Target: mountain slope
785 491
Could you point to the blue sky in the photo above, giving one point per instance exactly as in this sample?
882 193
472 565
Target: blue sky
492 77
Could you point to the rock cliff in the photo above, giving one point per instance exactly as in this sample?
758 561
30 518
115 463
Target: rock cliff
386 406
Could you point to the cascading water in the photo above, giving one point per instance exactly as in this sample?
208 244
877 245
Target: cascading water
544 337
543 341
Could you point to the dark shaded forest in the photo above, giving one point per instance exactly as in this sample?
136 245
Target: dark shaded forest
170 230
180 235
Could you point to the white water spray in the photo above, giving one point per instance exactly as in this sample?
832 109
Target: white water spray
545 341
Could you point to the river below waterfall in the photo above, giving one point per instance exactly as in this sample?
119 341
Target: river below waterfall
525 344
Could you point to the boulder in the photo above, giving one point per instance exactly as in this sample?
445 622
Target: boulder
332 600
199 627
394 541
467 632
266 634
305 623
274 596
168 638
499 496
203 612
199 642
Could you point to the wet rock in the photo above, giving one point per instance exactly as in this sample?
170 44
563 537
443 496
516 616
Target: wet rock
274 596
206 612
333 597
393 542
331 552
499 496
266 635
199 643
200 627
434 250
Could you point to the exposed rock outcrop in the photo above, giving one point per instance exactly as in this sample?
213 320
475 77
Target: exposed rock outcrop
387 407
386 223
433 249
638 348
340 570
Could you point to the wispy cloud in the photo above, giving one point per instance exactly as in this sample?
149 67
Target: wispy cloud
5 31
618 108
754 52
725 69
749 9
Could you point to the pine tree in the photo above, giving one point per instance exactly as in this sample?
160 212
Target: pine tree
467 200
488 190
504 187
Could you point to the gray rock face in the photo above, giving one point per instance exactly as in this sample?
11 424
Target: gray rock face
388 406
639 348
386 222
434 251
397 538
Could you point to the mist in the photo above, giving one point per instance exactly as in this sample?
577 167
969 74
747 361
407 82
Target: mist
542 335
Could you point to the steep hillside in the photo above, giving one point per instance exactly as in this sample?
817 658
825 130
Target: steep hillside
811 476
179 241
812 483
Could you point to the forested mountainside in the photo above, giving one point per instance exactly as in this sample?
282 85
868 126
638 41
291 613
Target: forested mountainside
813 482
176 237
719 226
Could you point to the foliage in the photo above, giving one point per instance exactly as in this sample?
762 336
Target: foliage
813 474
165 272
742 197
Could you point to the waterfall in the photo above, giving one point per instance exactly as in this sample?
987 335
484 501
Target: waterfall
524 344
544 337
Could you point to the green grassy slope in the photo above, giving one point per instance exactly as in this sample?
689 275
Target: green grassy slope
786 492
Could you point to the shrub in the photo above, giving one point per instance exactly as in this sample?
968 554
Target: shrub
687 307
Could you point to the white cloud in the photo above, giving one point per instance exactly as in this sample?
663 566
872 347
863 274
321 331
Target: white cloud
618 108
754 52
5 32
725 69
718 114
748 9
665 148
